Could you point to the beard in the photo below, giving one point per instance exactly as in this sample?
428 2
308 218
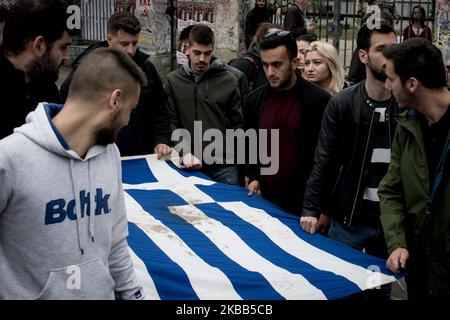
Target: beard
379 74
108 135
44 68
283 85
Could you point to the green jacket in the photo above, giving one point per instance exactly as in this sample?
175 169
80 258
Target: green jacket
212 98
411 215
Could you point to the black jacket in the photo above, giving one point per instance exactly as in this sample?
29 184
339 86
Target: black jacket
341 163
149 121
294 21
20 98
254 18
313 100
250 64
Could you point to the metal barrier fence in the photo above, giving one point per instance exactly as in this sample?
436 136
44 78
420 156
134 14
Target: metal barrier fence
326 13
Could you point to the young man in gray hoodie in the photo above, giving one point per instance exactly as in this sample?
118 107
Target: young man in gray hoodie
63 223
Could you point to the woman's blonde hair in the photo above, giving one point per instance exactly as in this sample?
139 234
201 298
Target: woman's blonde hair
330 56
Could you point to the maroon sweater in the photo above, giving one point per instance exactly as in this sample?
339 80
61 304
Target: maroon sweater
282 111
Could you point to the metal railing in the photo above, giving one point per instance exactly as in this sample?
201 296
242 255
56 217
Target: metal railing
327 13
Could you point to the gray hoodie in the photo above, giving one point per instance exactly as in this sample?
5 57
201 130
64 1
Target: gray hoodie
48 250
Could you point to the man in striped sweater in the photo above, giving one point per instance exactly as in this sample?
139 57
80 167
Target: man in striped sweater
353 154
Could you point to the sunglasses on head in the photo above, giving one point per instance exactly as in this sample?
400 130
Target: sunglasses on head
278 33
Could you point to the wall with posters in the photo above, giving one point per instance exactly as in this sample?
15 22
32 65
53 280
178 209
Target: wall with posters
155 36
442 27
225 17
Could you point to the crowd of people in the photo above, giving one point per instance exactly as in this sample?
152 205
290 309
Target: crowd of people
366 162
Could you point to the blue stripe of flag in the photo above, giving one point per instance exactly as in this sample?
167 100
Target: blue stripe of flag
248 284
227 193
332 285
137 171
170 280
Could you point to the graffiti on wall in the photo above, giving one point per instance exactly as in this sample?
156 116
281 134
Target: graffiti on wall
190 13
228 35
442 24
152 16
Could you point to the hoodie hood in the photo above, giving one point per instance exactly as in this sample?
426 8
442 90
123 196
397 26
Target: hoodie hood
40 129
254 51
216 66
51 203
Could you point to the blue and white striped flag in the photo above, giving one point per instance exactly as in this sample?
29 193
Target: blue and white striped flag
192 238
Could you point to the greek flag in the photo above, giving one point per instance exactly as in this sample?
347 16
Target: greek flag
192 238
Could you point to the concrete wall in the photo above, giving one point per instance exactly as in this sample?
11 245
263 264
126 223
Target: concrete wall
155 37
229 34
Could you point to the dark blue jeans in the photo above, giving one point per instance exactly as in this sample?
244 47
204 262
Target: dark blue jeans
223 173
373 242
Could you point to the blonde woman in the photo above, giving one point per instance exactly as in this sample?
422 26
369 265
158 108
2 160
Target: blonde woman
323 67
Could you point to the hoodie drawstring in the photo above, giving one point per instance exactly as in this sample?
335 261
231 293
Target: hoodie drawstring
91 191
77 208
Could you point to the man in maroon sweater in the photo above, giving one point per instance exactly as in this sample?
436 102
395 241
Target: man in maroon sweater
293 106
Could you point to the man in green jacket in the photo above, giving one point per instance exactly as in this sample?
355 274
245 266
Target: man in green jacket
415 193
204 101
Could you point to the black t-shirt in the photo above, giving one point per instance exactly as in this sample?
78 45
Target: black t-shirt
434 138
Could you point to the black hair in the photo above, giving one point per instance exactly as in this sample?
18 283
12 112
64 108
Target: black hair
201 34
422 15
308 37
365 34
125 21
28 19
418 58
184 34
273 41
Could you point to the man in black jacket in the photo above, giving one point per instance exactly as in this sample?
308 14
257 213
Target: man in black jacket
295 19
353 153
294 107
148 130
255 17
35 40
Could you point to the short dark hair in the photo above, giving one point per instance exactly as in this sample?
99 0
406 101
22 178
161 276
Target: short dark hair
29 19
201 34
418 58
307 37
184 34
276 40
365 35
102 70
125 21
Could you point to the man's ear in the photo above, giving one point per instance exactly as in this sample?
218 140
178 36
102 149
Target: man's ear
114 100
363 56
412 84
39 46
109 39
